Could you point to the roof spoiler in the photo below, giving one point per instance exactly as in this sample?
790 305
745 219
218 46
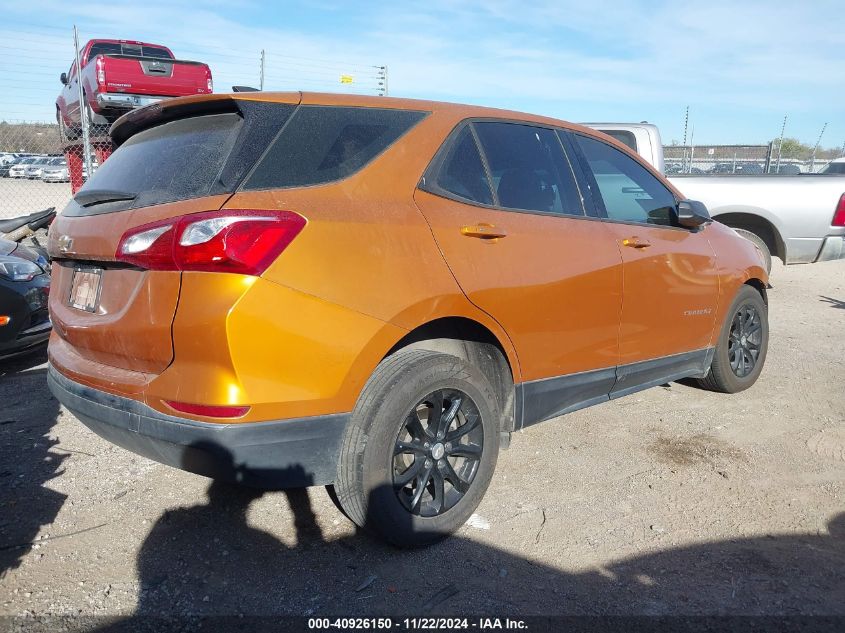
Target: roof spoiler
168 110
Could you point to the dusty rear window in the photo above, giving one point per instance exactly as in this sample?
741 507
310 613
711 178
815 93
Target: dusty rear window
174 161
321 144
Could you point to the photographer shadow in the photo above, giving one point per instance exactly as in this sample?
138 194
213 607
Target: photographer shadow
210 559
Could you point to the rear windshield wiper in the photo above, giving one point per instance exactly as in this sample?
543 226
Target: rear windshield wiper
101 196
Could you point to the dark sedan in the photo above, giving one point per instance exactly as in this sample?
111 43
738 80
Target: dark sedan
24 291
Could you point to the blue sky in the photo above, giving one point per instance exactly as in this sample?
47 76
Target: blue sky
739 66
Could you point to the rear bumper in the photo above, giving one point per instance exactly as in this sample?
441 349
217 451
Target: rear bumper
833 247
274 454
124 101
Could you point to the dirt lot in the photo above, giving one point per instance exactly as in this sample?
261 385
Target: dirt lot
19 196
672 501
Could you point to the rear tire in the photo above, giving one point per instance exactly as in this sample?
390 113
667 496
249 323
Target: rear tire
742 345
389 439
759 243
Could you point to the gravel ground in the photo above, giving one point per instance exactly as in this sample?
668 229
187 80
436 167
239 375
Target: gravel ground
671 501
20 196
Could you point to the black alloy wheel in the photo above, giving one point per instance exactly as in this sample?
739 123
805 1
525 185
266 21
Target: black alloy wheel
437 452
745 341
740 351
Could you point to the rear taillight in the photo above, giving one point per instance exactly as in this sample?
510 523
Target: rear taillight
839 214
101 72
230 240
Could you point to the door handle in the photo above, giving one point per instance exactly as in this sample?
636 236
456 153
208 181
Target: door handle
483 231
635 242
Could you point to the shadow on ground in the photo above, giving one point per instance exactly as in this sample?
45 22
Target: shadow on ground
207 559
834 303
28 456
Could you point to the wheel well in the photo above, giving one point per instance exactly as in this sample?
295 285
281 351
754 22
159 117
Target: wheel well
760 226
474 343
760 287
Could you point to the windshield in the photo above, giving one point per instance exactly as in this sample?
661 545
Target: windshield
834 168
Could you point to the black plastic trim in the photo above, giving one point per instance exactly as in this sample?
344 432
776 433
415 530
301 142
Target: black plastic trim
541 400
274 454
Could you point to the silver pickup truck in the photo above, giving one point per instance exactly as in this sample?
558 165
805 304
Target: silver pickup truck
800 219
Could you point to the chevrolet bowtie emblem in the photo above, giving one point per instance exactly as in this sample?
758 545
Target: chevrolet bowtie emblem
65 243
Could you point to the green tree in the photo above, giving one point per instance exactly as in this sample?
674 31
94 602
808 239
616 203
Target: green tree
793 148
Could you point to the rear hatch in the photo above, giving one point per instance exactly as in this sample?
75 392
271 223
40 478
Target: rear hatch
179 159
154 76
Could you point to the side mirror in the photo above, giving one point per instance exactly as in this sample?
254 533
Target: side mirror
63 78
692 214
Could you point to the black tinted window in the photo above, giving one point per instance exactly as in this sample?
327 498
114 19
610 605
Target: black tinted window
104 48
623 136
321 144
155 51
174 161
462 172
628 190
529 168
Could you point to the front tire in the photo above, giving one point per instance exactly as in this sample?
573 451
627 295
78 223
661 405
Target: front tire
742 346
420 448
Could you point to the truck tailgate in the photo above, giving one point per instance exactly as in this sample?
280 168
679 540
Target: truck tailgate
154 76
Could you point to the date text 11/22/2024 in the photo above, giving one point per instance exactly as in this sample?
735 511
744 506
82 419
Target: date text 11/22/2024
416 624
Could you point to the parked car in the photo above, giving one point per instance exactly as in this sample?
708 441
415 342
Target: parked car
836 166
18 170
56 171
723 168
24 292
119 75
34 169
378 295
800 219
787 168
7 166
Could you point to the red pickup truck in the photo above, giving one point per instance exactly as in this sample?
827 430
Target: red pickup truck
119 75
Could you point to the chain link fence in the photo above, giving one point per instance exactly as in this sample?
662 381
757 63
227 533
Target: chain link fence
42 165
744 159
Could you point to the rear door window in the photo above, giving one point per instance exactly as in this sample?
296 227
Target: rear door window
629 192
322 144
529 168
462 173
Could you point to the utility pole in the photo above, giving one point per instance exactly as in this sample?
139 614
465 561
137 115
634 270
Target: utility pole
780 144
261 78
815 149
83 112
686 123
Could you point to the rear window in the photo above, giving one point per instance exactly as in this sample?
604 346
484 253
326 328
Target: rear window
155 51
623 136
321 144
116 48
174 161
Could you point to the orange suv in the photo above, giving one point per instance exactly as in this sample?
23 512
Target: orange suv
301 289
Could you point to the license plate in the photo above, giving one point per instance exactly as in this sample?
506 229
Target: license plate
85 289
